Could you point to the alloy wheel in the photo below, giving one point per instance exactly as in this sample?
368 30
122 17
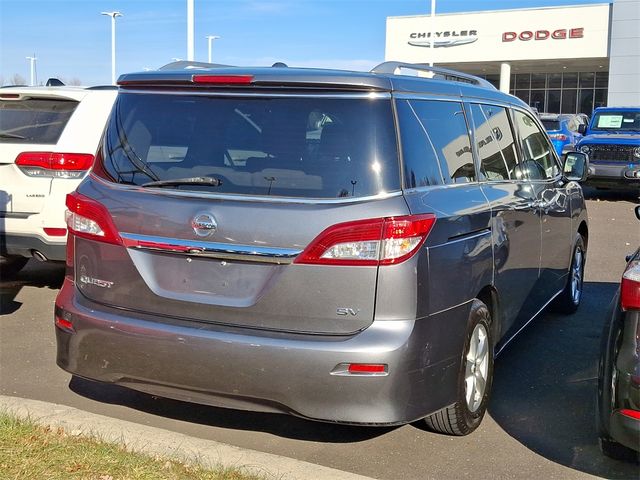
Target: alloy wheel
476 367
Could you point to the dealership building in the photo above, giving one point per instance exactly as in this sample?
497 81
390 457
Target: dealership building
558 59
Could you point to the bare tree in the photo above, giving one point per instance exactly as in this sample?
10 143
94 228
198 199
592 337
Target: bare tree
17 79
75 81
1 80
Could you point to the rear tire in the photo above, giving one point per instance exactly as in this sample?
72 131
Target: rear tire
474 379
569 300
11 265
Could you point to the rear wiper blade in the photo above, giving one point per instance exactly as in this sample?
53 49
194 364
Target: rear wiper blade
11 135
176 182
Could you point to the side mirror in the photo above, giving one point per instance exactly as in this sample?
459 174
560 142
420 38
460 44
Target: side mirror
582 129
576 166
638 212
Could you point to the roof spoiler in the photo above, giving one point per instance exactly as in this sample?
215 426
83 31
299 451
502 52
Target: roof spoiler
438 73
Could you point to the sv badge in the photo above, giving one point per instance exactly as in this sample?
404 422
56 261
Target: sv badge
343 311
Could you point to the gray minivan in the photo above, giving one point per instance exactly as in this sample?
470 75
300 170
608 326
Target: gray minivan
343 246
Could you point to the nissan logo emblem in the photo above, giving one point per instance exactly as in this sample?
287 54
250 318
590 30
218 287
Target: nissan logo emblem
204 224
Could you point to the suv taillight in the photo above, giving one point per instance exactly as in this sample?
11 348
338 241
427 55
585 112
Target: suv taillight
89 219
630 287
54 165
558 136
377 241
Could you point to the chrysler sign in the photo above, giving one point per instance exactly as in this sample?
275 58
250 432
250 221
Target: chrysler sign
447 38
560 34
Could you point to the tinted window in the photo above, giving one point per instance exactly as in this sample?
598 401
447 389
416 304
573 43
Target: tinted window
34 120
300 147
551 124
420 161
496 144
445 129
616 120
537 157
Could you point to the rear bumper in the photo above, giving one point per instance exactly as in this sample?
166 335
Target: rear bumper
625 430
24 246
260 371
614 175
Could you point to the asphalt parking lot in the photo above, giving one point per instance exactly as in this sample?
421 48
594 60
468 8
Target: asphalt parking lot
541 419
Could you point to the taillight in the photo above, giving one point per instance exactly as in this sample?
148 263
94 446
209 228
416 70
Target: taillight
56 165
558 136
223 79
377 241
630 287
89 219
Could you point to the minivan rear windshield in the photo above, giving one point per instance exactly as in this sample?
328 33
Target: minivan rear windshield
311 147
34 120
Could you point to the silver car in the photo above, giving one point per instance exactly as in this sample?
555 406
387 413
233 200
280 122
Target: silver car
343 246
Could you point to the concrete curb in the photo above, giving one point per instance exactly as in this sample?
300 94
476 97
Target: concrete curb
156 441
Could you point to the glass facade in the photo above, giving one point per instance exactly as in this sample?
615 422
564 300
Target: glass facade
560 92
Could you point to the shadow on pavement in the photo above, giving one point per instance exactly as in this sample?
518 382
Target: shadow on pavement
545 385
285 426
34 274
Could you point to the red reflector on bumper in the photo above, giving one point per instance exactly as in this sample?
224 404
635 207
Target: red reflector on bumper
367 368
55 232
64 324
635 414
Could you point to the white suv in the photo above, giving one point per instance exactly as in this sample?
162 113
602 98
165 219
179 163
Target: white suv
48 138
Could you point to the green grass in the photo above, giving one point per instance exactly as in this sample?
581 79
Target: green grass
30 451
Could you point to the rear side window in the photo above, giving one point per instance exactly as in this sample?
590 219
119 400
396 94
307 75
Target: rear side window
436 144
496 144
420 161
538 160
316 147
34 120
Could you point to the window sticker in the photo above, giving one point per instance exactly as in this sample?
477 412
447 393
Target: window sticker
609 121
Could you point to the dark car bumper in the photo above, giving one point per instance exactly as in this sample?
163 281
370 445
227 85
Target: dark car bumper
624 424
614 175
625 429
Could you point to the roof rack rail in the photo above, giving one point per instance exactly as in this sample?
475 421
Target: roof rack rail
439 72
187 65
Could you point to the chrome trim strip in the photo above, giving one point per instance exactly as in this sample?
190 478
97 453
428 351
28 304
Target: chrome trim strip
468 236
247 198
281 256
266 94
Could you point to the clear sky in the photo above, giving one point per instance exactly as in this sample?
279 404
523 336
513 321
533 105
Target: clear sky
72 40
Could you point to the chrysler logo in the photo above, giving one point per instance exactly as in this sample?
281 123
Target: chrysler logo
448 38
204 224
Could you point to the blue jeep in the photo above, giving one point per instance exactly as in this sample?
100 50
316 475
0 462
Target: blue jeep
612 141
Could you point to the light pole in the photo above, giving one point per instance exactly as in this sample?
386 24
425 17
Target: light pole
32 60
433 21
190 30
113 16
211 38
